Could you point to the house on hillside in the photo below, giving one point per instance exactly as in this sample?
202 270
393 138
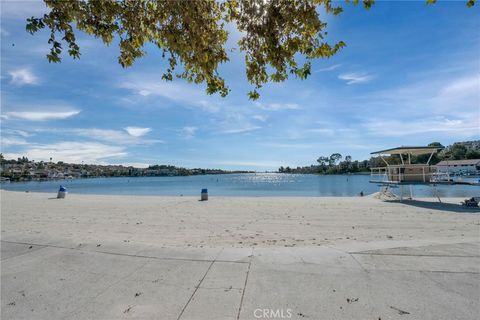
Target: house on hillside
469 166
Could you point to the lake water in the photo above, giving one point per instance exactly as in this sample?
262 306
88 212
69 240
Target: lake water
255 184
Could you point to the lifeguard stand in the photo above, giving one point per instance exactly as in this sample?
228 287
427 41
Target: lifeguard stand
407 173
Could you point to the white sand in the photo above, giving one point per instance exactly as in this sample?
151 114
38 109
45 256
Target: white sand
120 257
232 221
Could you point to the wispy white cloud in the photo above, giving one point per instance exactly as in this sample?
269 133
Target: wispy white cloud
259 117
112 136
288 145
12 137
441 94
16 132
137 131
23 9
469 85
208 106
188 132
40 115
71 151
23 76
331 68
453 128
354 78
322 131
11 141
440 105
4 32
234 122
243 129
147 86
277 106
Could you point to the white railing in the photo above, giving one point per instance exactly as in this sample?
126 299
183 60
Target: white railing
378 174
415 173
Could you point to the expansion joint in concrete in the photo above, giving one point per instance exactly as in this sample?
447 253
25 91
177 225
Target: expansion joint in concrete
245 286
195 291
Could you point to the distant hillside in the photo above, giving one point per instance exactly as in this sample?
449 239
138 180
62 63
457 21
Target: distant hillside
473 145
23 169
462 150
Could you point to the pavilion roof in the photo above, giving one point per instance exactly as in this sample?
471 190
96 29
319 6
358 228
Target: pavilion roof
409 150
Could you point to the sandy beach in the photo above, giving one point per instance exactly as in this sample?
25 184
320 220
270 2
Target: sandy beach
111 257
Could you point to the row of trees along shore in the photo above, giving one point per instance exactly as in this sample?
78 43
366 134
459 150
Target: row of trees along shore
337 164
24 169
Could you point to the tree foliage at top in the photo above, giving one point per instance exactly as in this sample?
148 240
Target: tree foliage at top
279 37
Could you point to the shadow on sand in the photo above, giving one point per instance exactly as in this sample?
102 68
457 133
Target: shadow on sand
452 207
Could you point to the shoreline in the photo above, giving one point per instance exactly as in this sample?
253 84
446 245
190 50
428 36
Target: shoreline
53 194
211 196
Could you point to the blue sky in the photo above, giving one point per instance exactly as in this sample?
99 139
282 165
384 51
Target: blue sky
410 75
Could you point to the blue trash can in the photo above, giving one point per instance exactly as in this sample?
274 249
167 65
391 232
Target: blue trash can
62 192
204 195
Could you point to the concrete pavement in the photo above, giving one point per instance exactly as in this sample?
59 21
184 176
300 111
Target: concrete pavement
55 281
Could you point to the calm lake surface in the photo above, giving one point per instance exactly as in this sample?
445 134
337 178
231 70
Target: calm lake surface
255 184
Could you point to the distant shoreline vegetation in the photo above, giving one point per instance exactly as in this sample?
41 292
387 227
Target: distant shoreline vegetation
24 169
333 164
